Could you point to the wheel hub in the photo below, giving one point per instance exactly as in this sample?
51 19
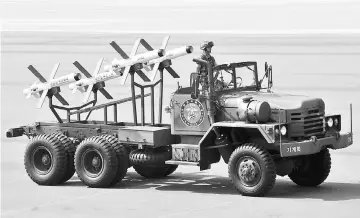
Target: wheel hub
96 162
92 162
42 160
45 159
249 171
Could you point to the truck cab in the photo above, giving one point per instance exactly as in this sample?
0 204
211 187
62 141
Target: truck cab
188 104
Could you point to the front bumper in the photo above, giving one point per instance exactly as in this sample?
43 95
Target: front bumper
315 145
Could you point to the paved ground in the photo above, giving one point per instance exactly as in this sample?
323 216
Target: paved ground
187 192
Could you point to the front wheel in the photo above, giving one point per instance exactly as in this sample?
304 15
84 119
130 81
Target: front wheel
312 170
252 170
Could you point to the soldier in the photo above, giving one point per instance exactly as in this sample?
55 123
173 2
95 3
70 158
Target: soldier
206 46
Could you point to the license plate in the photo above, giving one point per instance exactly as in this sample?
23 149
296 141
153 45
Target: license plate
293 149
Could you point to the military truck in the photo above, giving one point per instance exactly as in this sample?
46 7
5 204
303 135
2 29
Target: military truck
258 133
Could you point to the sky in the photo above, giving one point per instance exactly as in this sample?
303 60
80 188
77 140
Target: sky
182 15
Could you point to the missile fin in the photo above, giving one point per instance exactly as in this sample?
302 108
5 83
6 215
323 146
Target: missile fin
172 72
146 45
61 99
148 67
53 72
37 74
119 50
96 72
135 48
82 69
154 71
165 42
42 99
125 75
105 93
143 76
87 94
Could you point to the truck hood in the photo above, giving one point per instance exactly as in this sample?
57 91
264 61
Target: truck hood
276 101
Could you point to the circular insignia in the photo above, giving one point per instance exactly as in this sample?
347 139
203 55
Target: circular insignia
192 112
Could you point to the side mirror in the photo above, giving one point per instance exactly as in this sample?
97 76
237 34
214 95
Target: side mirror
270 81
195 85
266 69
193 78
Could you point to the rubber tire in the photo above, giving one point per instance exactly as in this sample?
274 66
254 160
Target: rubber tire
109 162
266 163
70 149
156 156
316 173
59 159
122 158
158 171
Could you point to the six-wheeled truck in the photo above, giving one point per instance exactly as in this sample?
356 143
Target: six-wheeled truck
258 133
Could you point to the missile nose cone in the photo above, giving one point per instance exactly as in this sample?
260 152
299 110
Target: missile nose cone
77 76
161 52
189 49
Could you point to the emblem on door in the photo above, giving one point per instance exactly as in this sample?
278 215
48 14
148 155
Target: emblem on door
192 112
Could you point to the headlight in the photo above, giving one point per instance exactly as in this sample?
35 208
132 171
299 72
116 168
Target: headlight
330 122
336 121
283 130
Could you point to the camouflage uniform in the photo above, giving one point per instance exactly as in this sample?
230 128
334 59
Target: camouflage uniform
202 70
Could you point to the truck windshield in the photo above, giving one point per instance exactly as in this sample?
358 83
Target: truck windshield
237 75
245 77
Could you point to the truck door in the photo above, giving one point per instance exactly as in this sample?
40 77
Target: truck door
189 115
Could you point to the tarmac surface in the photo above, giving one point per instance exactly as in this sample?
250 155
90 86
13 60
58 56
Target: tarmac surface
321 67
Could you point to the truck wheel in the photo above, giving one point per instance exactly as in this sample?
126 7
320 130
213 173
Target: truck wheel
45 160
155 171
313 169
122 157
70 153
95 162
252 170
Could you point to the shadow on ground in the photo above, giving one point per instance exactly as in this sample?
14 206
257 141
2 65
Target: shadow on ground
200 183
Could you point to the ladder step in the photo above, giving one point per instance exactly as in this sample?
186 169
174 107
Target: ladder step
182 163
185 146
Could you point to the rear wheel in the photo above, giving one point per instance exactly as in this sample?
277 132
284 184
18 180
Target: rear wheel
96 162
252 170
312 170
45 160
70 153
122 158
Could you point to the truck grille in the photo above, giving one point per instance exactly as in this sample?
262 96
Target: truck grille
307 123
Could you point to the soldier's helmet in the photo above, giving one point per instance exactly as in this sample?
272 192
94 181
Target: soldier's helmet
206 44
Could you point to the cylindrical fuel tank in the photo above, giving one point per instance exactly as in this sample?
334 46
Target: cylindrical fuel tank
254 111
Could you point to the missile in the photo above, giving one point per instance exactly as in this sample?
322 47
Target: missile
118 65
175 53
101 77
64 80
91 81
140 58
41 90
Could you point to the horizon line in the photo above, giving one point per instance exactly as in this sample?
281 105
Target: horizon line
233 32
